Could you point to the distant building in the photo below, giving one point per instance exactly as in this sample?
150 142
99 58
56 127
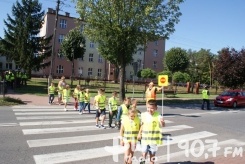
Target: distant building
93 65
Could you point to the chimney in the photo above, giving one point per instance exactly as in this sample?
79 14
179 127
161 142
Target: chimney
67 14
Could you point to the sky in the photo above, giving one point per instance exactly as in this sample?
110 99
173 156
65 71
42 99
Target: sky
208 24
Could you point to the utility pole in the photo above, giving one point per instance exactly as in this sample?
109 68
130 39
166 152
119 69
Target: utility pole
51 71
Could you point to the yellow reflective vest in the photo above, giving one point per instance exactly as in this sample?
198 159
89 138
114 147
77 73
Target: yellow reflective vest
151 131
81 96
124 111
112 102
87 97
205 94
66 94
102 101
51 89
75 93
131 129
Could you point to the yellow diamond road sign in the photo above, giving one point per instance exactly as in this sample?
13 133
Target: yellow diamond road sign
163 80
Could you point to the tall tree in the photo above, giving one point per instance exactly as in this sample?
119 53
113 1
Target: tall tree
21 41
229 68
73 47
176 59
120 26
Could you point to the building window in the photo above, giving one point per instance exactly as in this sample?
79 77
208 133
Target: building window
139 62
17 67
60 69
80 71
9 66
99 72
59 54
131 75
154 64
90 71
100 59
156 42
63 23
61 38
82 27
80 59
91 45
90 59
155 53
1 65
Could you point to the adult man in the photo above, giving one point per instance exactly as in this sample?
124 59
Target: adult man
205 98
151 92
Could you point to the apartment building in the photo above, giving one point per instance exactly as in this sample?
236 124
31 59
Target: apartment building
93 65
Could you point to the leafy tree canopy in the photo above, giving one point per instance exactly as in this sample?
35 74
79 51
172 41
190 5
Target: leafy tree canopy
148 73
176 59
73 45
230 68
21 41
120 26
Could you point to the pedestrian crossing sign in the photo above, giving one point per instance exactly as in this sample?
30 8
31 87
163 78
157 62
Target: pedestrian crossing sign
163 80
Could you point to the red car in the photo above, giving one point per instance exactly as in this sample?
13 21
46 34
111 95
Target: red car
230 98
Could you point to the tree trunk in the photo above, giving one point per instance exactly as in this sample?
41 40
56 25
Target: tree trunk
122 87
72 74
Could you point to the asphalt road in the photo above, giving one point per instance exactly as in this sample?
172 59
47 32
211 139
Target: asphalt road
47 134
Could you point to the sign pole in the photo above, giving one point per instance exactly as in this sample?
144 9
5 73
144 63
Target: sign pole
162 99
162 81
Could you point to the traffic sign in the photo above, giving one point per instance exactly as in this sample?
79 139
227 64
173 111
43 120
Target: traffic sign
163 80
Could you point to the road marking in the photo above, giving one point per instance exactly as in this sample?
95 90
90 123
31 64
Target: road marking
9 124
87 154
59 130
175 128
87 128
71 140
64 122
193 114
53 113
46 117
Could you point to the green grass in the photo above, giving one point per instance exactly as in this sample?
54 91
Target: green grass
38 86
8 101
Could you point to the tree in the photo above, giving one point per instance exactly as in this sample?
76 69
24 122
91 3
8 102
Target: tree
230 68
176 59
120 26
21 41
73 47
148 73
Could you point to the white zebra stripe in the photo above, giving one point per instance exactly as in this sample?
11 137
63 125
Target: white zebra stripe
80 155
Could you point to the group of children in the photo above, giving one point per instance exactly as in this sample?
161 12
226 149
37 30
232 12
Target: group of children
81 96
134 126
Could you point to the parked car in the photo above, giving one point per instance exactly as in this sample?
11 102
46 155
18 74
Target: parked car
230 98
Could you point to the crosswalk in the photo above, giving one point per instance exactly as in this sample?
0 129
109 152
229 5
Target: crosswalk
56 136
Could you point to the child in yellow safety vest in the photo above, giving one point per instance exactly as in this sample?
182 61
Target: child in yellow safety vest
100 104
123 111
150 132
87 100
51 90
134 103
81 95
75 96
112 104
128 134
66 94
